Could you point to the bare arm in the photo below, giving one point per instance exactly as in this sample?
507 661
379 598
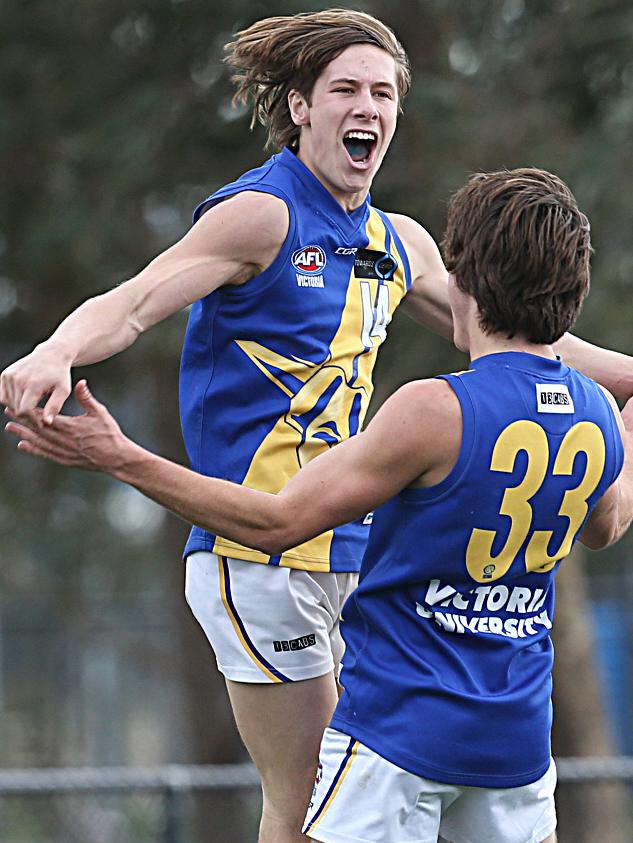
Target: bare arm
613 513
231 243
610 368
415 434
427 300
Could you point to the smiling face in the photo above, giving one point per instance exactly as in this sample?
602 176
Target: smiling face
348 122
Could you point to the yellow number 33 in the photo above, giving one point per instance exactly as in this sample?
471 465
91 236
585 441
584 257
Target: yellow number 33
528 436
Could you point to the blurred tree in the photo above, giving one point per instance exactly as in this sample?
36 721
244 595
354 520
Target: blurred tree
116 120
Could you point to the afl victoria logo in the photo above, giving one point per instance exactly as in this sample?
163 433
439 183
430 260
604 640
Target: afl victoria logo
310 260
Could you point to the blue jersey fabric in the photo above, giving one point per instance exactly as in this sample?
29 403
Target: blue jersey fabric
279 369
447 669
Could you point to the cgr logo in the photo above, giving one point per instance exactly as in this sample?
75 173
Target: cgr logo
310 260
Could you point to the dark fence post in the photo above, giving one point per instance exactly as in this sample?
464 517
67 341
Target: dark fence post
174 815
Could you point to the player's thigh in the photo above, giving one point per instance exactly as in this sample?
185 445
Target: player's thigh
282 726
265 623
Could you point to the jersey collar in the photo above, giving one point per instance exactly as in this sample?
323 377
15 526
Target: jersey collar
522 360
321 195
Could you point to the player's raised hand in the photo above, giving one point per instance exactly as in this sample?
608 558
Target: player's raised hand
92 441
41 374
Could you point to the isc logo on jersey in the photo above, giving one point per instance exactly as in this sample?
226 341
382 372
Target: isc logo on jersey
309 263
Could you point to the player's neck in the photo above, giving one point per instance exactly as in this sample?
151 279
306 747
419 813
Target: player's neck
482 344
348 198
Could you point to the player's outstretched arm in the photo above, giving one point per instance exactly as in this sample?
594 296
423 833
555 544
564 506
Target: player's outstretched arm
414 431
613 513
610 368
231 243
427 300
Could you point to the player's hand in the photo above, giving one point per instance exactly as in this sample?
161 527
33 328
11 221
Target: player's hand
91 441
41 374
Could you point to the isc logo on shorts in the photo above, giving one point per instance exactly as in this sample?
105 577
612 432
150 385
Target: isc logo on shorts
295 644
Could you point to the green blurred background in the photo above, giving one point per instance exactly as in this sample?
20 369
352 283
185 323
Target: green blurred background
116 120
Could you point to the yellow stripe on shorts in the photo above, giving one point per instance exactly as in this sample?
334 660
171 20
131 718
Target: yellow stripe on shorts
225 592
335 786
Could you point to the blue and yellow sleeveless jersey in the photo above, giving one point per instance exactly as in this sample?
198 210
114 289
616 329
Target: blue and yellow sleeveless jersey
278 370
447 671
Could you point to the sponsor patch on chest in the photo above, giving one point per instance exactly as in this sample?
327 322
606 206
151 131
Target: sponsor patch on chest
553 398
371 264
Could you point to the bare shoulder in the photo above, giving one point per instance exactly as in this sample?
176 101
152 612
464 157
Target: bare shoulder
434 395
251 213
418 409
415 237
422 419
428 272
249 226
431 405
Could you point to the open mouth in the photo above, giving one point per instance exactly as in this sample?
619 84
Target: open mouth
360 145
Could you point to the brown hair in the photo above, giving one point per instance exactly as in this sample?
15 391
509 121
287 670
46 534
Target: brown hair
516 241
276 55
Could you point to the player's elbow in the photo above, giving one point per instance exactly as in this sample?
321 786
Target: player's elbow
264 522
597 540
276 540
269 542
603 534
611 518
279 523
283 532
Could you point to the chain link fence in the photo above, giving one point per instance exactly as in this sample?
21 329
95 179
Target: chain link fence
172 804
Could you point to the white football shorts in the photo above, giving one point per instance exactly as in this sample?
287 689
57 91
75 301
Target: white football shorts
360 797
266 623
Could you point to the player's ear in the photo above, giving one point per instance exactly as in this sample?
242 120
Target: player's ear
299 108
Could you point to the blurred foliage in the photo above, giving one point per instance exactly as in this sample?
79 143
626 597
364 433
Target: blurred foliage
116 120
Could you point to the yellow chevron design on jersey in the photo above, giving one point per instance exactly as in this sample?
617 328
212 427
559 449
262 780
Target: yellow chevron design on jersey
330 404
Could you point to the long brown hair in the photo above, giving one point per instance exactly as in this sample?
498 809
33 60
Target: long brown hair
279 54
517 242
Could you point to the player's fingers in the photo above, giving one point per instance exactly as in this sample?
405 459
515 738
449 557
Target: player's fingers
23 429
51 454
63 434
27 402
28 430
54 404
9 390
15 429
86 399
6 393
32 442
28 419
